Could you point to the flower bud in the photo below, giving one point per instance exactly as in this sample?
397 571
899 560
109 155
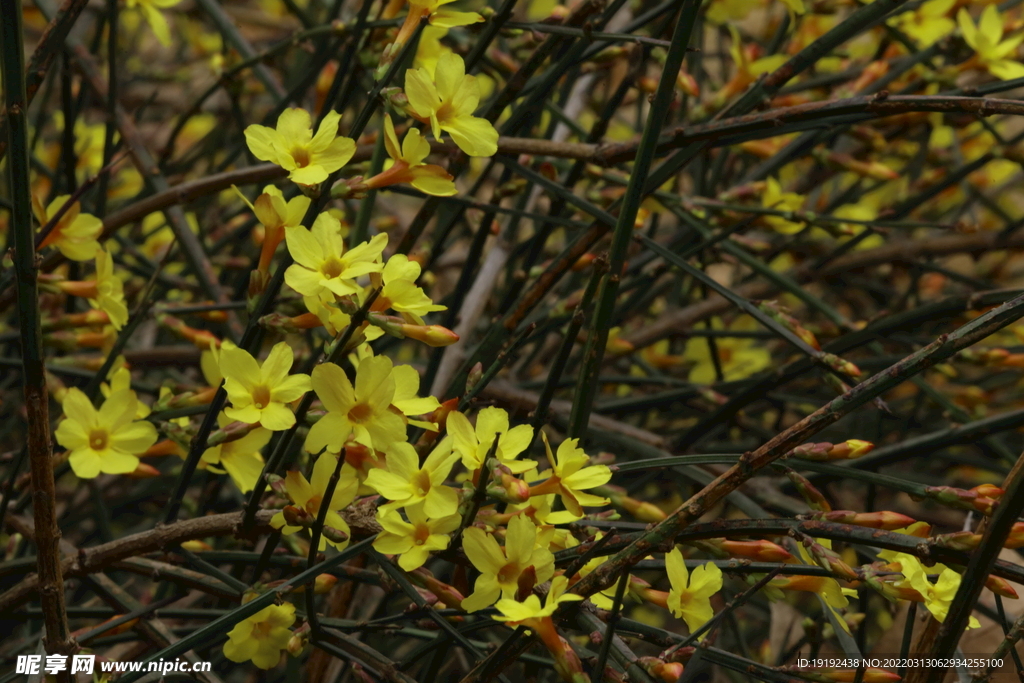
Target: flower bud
1000 586
295 516
196 546
276 483
324 583
296 644
824 451
143 471
431 335
884 519
473 377
760 550
669 672
334 535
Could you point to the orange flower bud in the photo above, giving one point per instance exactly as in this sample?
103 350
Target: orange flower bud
870 675
143 471
324 583
1000 586
688 84
883 519
165 447
583 262
989 491
760 550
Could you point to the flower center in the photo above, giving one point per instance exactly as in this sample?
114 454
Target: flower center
98 439
421 534
360 413
332 267
261 396
445 111
301 156
421 482
508 574
261 630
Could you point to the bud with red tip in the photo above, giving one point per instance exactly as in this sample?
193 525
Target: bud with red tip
201 338
964 499
883 519
869 675
143 471
644 511
669 672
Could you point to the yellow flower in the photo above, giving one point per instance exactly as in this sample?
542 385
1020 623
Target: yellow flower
430 48
738 357
515 612
727 11
258 393
539 507
240 458
474 446
322 267
407 399
309 496
690 595
413 541
828 588
570 475
292 146
996 54
443 18
774 198
937 596
261 637
121 380
151 11
501 568
447 101
406 164
404 482
400 291
107 440
75 233
928 23
275 214
440 19
362 411
109 291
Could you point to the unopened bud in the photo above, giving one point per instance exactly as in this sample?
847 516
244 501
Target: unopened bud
324 583
296 516
431 335
884 519
760 550
196 546
276 483
143 471
476 373
335 535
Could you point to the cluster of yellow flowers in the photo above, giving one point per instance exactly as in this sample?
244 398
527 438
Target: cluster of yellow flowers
356 437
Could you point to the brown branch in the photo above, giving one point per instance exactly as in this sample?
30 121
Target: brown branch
49 45
904 251
941 349
101 556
